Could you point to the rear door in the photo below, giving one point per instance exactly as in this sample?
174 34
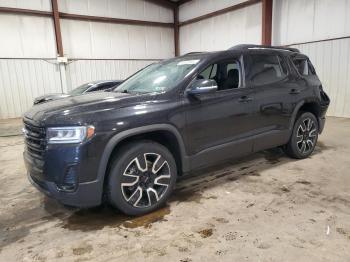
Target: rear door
276 92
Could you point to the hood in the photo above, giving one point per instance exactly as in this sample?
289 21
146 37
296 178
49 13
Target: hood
49 97
78 109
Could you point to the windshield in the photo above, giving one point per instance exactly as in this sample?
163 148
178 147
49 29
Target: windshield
158 77
80 89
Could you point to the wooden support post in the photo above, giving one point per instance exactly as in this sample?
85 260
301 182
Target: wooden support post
176 31
266 22
56 20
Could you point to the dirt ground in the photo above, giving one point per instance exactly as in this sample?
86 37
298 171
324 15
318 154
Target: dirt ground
265 207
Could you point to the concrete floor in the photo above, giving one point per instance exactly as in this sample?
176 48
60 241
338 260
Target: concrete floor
266 207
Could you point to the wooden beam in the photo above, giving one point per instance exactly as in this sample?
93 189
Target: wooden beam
181 2
176 31
164 3
56 21
112 20
318 41
21 11
220 12
266 22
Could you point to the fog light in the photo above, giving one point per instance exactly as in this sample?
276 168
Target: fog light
69 182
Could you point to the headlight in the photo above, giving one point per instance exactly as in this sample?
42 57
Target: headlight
72 134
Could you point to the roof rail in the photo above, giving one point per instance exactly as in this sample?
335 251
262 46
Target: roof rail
249 46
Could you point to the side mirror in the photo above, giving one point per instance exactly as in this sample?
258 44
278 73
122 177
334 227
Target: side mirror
203 86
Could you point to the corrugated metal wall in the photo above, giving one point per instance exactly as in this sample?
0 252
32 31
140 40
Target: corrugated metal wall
106 51
31 41
82 71
303 21
127 9
332 62
220 32
94 40
23 79
300 21
197 8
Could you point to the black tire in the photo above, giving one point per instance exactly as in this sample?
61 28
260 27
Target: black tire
304 136
154 185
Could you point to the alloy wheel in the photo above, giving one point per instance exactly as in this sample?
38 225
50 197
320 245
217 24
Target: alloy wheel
145 180
306 136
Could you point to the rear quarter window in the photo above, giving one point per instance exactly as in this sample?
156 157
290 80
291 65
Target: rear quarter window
303 66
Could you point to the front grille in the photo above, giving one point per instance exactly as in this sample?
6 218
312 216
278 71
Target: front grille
35 138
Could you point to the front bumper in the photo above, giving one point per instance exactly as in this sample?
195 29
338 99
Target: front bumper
48 175
84 196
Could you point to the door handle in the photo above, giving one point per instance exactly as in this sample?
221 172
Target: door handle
294 91
245 99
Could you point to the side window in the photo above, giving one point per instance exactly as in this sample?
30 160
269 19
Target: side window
226 74
209 72
303 65
284 65
267 69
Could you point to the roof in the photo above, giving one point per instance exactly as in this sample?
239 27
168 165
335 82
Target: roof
246 47
249 47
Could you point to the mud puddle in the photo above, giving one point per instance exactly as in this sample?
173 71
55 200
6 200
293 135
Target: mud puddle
100 217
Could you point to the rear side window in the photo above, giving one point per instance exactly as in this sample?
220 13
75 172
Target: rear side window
304 66
266 69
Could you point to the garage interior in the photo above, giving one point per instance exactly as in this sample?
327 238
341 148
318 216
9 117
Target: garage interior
265 207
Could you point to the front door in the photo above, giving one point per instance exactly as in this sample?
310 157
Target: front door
219 124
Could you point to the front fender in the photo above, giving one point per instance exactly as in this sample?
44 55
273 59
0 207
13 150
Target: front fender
115 140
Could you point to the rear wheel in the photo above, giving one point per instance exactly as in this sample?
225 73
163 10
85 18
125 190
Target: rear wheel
304 137
141 178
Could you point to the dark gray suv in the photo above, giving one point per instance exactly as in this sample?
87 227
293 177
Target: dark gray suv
129 146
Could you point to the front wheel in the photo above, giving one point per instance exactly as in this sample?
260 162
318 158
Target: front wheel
304 136
141 178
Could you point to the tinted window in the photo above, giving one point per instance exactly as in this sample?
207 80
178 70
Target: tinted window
266 69
226 74
284 65
208 73
303 66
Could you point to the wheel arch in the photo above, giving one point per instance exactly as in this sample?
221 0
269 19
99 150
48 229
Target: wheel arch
158 133
311 106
